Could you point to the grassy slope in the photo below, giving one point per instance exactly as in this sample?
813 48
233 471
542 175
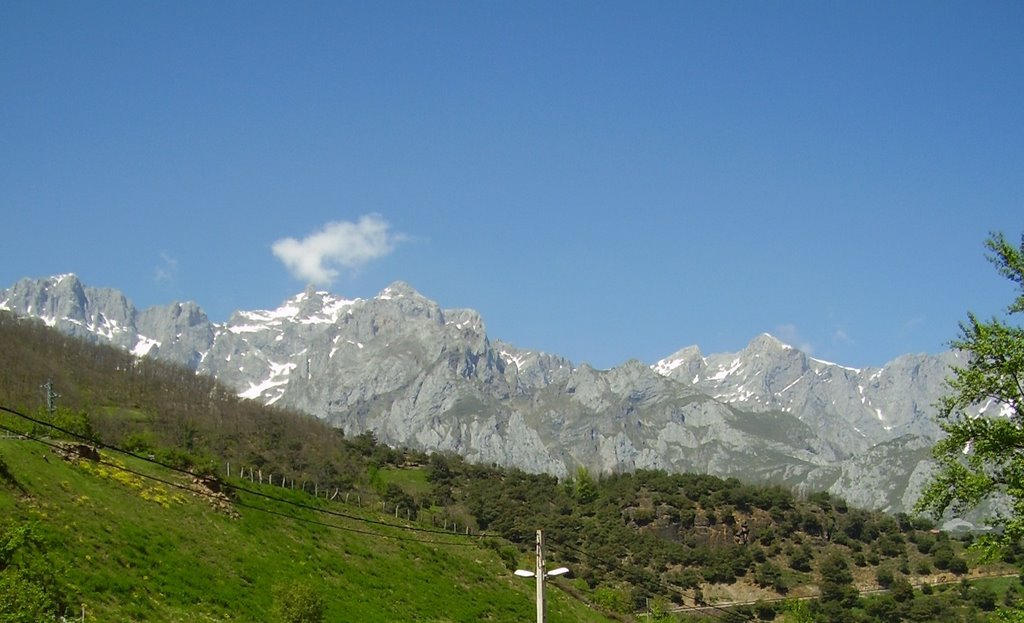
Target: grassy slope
137 550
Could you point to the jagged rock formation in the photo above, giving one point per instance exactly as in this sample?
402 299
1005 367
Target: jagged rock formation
420 376
851 408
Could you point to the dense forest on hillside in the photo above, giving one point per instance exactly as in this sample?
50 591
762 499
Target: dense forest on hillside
677 547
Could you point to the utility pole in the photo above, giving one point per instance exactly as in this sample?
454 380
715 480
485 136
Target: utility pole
51 397
540 574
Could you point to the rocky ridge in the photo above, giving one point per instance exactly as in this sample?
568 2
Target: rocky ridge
421 376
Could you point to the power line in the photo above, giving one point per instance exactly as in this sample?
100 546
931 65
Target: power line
242 504
733 615
244 489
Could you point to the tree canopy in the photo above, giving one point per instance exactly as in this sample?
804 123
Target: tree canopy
981 459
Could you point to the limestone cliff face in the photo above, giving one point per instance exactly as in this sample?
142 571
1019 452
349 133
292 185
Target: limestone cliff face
852 409
95 314
421 376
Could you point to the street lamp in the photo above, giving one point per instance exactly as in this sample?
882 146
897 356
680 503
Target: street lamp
541 575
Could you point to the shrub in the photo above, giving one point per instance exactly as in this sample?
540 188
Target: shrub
612 599
765 611
800 559
884 576
297 603
958 565
984 598
902 590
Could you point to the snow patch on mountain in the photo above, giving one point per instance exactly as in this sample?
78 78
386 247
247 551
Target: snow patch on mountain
519 360
724 372
665 366
104 327
834 365
332 309
276 380
1003 410
790 386
144 346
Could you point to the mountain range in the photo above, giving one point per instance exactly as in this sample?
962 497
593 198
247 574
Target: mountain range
420 376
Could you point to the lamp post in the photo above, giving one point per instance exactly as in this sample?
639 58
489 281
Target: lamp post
541 575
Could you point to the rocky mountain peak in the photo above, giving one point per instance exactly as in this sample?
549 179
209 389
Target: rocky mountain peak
64 302
425 377
767 343
399 289
61 296
305 308
400 300
67 285
321 306
688 361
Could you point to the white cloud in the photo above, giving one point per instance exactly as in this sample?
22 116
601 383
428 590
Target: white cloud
913 323
340 244
842 337
167 270
790 334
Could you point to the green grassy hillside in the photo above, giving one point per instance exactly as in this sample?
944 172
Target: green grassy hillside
130 548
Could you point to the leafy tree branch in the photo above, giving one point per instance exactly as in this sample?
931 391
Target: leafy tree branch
982 456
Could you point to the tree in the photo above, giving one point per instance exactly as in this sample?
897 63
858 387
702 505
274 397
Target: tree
800 559
797 611
836 581
984 597
884 609
768 574
659 612
584 489
982 458
29 590
23 600
901 590
884 576
765 610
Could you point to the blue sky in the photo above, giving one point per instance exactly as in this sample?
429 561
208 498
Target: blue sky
604 181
